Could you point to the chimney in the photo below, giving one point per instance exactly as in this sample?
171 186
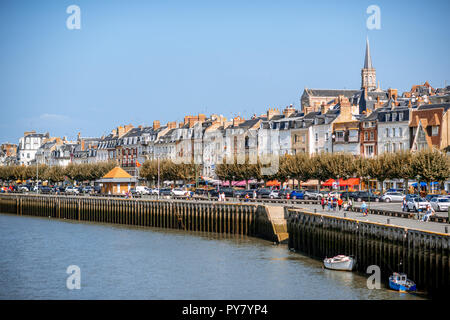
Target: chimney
393 93
172 125
82 145
288 111
272 112
156 125
237 121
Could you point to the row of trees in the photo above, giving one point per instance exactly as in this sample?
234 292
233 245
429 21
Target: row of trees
426 165
55 174
169 170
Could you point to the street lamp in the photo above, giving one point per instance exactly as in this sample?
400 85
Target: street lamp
289 178
368 189
418 185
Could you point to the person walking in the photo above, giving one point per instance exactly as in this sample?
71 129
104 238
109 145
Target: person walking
404 204
364 208
340 202
334 203
322 202
329 203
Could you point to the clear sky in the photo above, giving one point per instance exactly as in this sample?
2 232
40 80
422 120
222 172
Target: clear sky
139 61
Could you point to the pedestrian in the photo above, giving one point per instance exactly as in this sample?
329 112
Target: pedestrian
334 203
246 197
322 202
364 208
428 214
350 204
254 194
404 204
340 202
329 203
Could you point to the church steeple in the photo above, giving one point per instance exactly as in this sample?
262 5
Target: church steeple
368 59
368 73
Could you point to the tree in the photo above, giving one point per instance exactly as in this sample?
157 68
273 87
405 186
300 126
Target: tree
430 165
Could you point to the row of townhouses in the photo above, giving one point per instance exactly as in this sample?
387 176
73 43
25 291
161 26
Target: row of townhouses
368 121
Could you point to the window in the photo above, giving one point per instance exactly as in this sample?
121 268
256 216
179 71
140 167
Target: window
317 137
394 132
369 150
366 136
434 130
400 117
387 132
326 136
388 116
371 135
393 147
400 131
394 116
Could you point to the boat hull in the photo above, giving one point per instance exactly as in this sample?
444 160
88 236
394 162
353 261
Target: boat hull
339 265
400 287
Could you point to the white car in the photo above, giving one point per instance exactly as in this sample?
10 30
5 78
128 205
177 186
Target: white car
154 191
22 189
72 190
440 203
393 196
179 192
274 194
416 204
142 190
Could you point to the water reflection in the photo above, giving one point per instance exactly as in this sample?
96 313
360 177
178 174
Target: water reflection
121 262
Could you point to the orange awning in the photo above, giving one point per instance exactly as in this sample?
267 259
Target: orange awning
273 183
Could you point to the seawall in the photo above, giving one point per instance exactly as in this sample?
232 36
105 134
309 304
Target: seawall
422 255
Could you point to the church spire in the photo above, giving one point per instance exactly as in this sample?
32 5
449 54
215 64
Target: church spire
368 59
368 73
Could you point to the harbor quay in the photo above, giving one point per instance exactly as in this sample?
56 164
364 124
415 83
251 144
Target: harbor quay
394 244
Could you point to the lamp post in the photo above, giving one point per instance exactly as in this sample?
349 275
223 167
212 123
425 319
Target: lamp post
368 190
289 178
418 185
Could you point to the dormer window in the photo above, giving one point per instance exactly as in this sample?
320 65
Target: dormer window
394 116
400 117
388 116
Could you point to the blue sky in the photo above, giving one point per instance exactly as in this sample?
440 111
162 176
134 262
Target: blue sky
139 61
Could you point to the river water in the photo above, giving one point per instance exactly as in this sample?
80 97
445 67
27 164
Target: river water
122 262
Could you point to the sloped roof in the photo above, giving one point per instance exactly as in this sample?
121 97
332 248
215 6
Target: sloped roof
116 173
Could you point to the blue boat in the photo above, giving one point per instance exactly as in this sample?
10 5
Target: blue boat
399 282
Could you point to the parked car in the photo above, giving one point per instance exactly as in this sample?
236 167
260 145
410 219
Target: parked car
393 197
155 191
165 192
297 194
243 192
22 188
45 189
416 204
72 189
87 189
229 192
440 203
283 193
348 195
312 194
263 193
365 196
143 190
430 196
179 192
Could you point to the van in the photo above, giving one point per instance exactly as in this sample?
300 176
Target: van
142 190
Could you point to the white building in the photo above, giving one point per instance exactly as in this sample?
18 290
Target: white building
29 145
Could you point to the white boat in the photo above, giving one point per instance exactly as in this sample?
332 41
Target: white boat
341 262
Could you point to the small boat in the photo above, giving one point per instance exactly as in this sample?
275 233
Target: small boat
340 262
399 282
